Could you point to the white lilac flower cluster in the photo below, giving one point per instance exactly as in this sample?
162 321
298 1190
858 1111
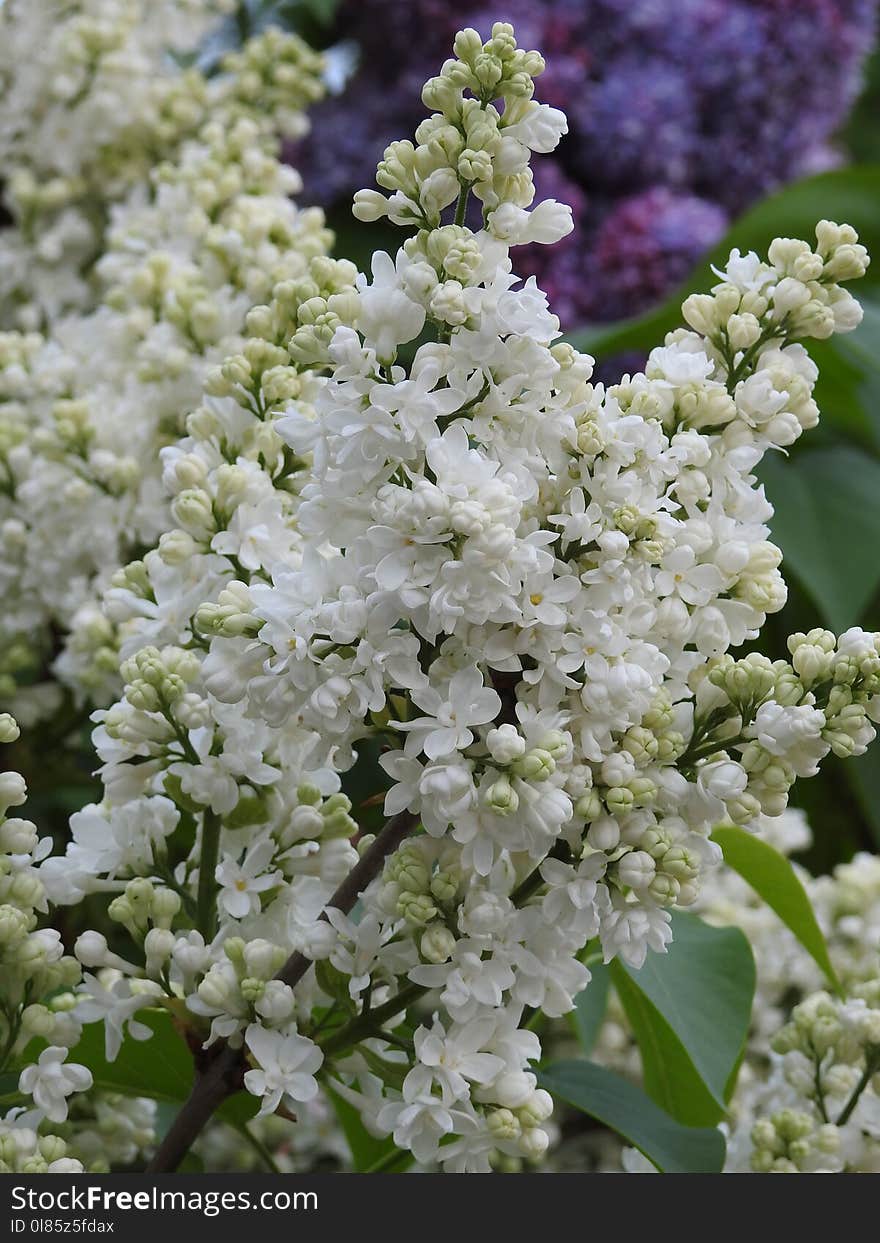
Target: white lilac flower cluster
516 589
92 94
819 1109
37 1000
84 408
779 1122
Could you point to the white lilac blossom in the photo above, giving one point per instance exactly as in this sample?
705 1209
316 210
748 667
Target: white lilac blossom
203 231
818 1109
287 1063
92 95
49 1081
509 596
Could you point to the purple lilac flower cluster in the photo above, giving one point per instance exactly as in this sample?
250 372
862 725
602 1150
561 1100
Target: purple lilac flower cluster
681 113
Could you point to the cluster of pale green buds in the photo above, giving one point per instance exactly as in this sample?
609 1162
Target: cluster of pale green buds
71 435
154 679
691 405
421 886
242 983
496 69
32 958
657 727
175 294
815 658
840 676
655 740
521 1121
142 908
23 1151
94 641
791 1141
292 330
830 1051
230 615
657 867
822 1025
749 681
515 760
278 74
760 582
316 818
796 295
30 197
463 144
106 1130
19 887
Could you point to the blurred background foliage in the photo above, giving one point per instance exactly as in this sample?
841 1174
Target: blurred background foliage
696 126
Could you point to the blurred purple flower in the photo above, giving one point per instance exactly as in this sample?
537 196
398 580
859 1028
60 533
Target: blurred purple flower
645 245
681 113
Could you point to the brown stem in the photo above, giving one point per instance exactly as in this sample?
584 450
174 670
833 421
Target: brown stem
224 1068
222 1076
368 866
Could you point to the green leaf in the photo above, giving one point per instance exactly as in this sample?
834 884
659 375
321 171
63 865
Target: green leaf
323 11
817 496
160 1068
849 194
612 1100
702 989
368 1154
590 1006
848 388
774 879
670 1076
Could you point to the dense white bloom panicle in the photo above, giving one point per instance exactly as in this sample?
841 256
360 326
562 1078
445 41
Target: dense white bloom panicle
818 1110
201 230
92 92
505 595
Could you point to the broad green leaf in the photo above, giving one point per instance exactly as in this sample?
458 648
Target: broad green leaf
849 194
827 522
590 1006
670 1076
848 388
774 879
161 1067
323 11
620 1105
703 989
368 1154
